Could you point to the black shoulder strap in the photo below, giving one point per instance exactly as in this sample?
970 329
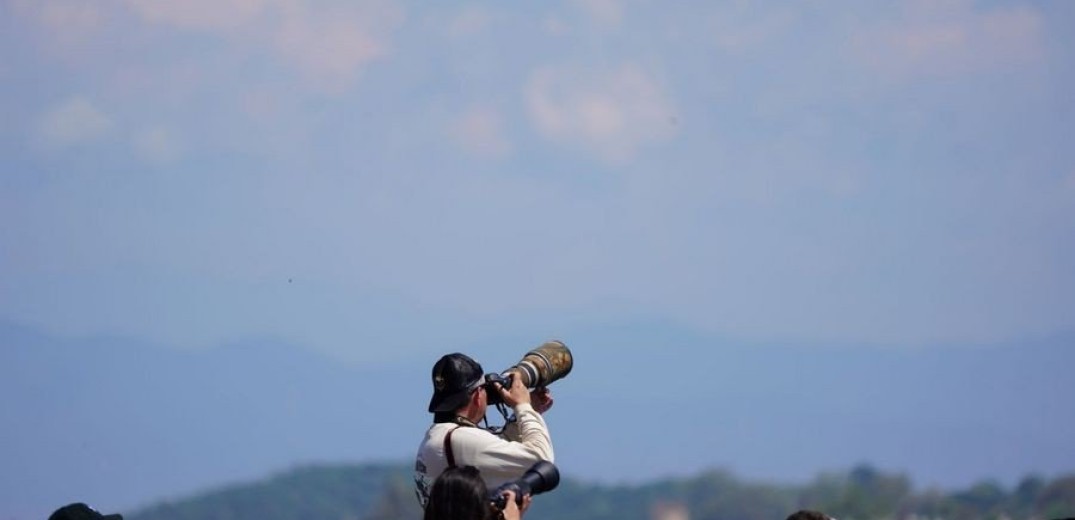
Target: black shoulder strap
448 447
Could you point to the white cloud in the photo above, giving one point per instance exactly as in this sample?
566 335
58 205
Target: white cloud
740 28
67 22
329 43
604 12
157 144
611 113
73 121
331 46
952 38
469 22
71 18
554 26
1069 182
200 14
480 131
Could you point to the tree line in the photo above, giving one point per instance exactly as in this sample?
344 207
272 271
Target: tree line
385 492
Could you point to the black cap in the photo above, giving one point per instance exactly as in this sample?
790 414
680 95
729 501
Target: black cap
80 511
454 377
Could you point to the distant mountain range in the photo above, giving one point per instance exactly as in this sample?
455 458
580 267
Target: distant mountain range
122 424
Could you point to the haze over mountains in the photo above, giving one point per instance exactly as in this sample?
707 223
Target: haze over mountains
123 424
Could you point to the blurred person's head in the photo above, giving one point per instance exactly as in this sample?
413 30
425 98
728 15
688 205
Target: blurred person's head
459 493
80 511
807 514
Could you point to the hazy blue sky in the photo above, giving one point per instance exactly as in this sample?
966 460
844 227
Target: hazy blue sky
888 174
384 181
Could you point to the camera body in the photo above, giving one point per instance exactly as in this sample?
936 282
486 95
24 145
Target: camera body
491 380
541 477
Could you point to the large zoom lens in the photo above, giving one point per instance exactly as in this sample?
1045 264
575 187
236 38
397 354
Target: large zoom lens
538 368
541 477
545 364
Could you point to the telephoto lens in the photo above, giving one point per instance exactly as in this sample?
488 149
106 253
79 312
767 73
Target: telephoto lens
541 477
538 368
545 364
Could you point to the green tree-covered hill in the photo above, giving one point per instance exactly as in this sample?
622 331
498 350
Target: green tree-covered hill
384 491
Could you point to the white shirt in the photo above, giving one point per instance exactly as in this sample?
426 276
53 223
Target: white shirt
499 459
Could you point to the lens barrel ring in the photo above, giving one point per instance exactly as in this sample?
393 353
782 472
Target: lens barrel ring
541 374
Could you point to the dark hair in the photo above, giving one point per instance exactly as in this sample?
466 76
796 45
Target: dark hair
459 493
807 514
81 511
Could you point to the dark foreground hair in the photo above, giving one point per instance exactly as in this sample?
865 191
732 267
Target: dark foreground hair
807 514
459 494
81 511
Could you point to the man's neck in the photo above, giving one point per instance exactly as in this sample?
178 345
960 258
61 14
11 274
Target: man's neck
473 414
458 417
466 421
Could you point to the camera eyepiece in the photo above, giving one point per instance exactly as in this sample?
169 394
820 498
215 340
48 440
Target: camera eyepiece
505 380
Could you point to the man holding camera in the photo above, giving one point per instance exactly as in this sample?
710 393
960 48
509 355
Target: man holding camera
460 398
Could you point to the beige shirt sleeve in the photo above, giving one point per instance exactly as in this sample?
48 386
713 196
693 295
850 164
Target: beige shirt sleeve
503 459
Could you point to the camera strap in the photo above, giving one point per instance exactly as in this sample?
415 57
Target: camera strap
448 454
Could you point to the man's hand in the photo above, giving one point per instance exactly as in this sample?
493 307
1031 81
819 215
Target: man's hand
515 395
541 398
